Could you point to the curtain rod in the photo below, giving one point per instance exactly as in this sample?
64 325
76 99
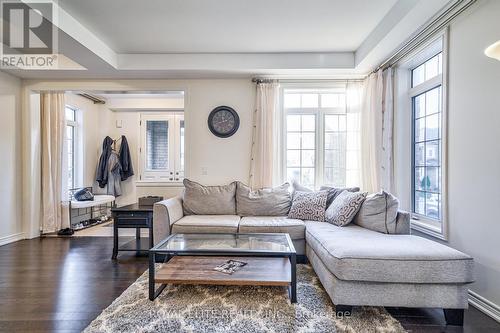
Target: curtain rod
435 25
257 80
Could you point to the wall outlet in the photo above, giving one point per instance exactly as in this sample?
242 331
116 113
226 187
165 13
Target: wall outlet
204 171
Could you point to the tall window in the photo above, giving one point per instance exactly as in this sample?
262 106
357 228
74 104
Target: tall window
71 138
427 103
321 138
162 147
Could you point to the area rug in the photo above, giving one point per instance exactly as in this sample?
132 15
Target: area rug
187 308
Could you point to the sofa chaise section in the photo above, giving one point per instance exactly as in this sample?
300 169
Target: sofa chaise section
358 266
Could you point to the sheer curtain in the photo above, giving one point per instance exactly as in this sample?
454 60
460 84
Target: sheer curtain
376 133
354 100
55 212
265 138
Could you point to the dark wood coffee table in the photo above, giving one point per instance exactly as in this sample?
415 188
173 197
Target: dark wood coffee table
191 258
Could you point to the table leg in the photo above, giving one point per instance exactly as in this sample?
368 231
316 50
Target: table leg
293 282
152 292
151 276
115 239
138 241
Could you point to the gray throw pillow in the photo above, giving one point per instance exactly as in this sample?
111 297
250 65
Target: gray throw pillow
379 213
208 200
264 202
332 191
308 206
344 208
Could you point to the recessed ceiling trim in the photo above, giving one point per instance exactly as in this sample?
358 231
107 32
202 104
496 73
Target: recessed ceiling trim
236 61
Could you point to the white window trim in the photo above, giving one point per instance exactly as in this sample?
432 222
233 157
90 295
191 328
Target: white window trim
78 149
174 174
421 223
320 133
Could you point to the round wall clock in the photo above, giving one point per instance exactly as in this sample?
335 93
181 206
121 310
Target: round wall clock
223 121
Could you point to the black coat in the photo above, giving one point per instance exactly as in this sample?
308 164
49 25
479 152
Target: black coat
125 160
102 167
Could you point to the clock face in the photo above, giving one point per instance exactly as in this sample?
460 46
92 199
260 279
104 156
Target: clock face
223 121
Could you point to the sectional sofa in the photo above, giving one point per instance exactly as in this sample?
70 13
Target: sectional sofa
356 266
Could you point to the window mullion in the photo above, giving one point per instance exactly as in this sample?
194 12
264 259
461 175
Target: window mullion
320 148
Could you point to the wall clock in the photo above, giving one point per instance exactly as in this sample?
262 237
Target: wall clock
223 121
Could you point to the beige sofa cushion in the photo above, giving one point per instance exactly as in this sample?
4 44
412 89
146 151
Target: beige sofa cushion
274 201
357 254
208 200
191 224
378 212
273 224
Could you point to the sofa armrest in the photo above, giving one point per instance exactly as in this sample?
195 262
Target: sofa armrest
403 223
165 213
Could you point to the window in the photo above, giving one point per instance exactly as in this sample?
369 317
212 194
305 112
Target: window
320 137
162 147
427 167
71 125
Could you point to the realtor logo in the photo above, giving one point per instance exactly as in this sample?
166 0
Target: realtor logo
28 35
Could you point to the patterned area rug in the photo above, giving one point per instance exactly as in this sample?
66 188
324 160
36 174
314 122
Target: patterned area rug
185 308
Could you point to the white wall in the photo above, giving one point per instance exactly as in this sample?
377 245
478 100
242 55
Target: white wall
10 151
224 159
473 145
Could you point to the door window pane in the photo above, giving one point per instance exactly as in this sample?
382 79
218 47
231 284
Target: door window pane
157 145
182 144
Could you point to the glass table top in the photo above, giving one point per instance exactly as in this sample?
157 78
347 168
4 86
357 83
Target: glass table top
251 243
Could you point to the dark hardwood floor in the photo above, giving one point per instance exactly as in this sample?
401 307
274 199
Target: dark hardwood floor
62 284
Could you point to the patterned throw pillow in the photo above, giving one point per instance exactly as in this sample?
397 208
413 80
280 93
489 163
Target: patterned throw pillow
344 208
332 191
309 206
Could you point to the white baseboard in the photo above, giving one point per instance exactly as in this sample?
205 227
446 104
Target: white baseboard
11 238
482 304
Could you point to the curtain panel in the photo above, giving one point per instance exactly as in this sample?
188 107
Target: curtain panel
377 114
55 212
265 137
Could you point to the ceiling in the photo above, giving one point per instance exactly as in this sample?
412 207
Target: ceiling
229 26
230 38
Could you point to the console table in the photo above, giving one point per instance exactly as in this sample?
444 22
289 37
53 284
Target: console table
136 217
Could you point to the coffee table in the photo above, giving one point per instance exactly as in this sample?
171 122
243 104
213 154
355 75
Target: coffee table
190 259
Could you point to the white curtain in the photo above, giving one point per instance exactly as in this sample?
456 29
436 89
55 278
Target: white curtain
265 138
354 100
376 133
55 215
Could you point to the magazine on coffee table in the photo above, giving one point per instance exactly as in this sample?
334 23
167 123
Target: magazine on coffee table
230 266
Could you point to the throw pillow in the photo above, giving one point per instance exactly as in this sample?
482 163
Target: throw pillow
333 192
308 206
344 208
379 213
264 202
208 200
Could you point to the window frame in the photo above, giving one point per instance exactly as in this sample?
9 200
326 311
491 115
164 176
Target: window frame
320 113
174 175
422 223
74 125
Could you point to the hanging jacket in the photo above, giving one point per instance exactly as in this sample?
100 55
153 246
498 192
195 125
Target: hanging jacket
102 167
114 177
125 160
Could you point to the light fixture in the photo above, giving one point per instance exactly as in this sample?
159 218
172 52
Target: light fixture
493 51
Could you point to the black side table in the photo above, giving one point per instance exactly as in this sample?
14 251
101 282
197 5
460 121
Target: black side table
133 216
